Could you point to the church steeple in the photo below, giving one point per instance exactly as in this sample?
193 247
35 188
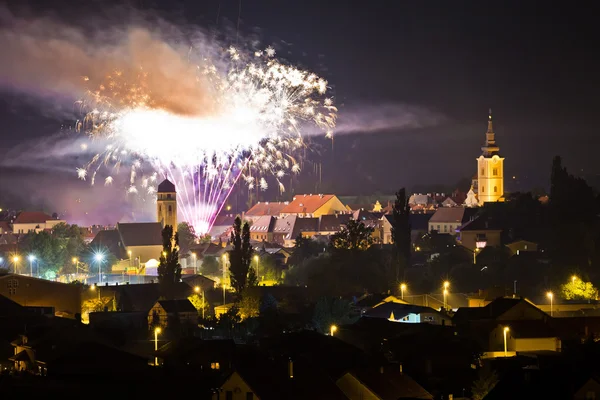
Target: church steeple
490 148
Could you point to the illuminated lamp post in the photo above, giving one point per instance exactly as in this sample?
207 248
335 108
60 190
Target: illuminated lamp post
256 258
506 329
446 286
156 332
99 257
402 289
31 259
550 295
15 263
332 330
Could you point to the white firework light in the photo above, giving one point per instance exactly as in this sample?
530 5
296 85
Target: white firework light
251 129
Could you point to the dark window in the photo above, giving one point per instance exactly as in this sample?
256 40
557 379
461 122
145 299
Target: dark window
482 171
495 171
229 395
168 195
159 209
495 189
170 209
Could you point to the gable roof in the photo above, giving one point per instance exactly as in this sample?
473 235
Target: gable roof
263 224
453 215
306 203
491 311
32 217
483 223
224 220
333 222
391 385
140 233
177 306
305 225
166 186
111 240
285 225
400 310
266 208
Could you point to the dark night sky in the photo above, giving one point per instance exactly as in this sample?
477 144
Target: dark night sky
536 67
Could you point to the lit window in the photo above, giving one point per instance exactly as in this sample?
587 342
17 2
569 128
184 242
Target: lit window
495 171
495 189
215 365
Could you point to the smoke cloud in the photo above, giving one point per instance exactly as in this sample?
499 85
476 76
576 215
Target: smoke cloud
386 117
47 58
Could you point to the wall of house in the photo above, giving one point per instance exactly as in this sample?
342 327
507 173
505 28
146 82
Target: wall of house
536 344
333 206
444 227
469 238
27 291
162 316
353 389
238 388
522 246
145 253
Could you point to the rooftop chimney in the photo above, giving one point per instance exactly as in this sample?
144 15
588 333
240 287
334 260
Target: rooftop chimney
290 368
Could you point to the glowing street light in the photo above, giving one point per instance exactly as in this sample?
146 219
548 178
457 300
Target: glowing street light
15 263
402 289
506 329
31 259
573 279
156 332
332 330
550 295
99 257
446 286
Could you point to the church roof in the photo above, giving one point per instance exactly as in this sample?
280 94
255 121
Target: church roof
32 217
166 186
141 233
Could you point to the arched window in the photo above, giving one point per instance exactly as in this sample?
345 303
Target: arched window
482 171
170 209
482 189
495 189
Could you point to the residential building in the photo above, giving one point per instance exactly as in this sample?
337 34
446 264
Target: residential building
490 169
34 221
408 313
265 208
521 246
262 228
447 219
390 382
418 226
30 292
523 336
480 232
164 311
309 205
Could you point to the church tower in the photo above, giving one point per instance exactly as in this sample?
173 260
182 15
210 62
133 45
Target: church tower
166 204
490 169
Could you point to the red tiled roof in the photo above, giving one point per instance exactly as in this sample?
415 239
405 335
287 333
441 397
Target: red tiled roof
266 208
32 217
306 203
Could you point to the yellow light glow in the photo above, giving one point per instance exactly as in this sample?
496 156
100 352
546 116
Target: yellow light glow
164 253
16 258
550 295
446 285
74 260
197 289
403 286
129 252
506 329
194 255
93 287
255 258
157 330
333 329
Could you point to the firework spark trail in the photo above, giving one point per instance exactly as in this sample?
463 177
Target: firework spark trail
250 129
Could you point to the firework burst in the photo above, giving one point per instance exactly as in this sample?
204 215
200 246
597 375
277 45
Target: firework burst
250 128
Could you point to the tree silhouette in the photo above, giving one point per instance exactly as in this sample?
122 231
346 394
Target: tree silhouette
401 232
354 236
169 269
240 255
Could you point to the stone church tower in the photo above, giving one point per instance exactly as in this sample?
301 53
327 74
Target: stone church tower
166 204
490 169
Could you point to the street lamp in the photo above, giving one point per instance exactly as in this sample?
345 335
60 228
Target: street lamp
31 259
446 286
15 262
129 252
257 275
332 330
505 332
195 263
75 261
573 279
99 257
550 296
402 289
156 332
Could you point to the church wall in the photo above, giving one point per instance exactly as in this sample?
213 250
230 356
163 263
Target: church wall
145 252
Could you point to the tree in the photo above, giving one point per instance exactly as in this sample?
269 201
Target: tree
249 306
354 236
210 265
401 231
304 248
240 255
169 269
252 279
330 312
577 289
49 255
187 237
482 386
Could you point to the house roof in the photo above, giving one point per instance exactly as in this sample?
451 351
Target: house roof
305 225
483 223
333 222
266 208
111 240
224 220
452 215
285 225
391 384
166 186
32 217
492 311
177 306
140 233
400 310
9 307
529 329
422 199
263 224
306 203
